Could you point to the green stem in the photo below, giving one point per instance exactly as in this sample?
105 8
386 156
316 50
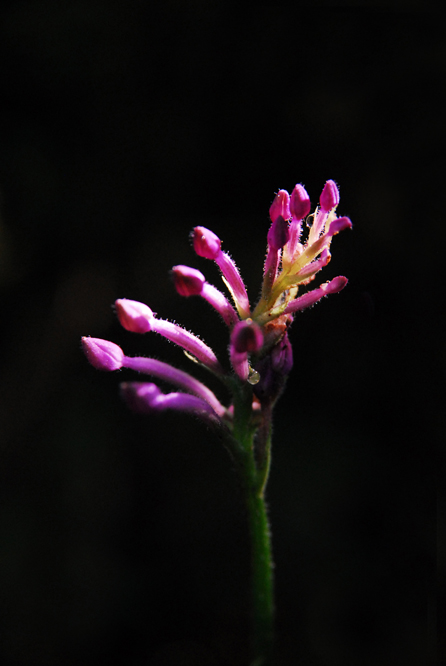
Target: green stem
253 467
261 581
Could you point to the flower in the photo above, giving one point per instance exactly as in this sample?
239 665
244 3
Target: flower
260 351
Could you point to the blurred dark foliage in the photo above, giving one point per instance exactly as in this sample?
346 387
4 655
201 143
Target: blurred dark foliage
122 126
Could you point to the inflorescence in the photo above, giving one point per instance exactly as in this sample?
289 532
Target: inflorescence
259 350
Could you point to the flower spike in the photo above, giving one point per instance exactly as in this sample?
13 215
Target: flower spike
259 351
260 358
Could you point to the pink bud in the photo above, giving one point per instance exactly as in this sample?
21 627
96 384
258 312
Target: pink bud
247 336
206 243
282 356
278 234
330 196
188 281
102 354
134 316
280 206
334 286
339 224
300 203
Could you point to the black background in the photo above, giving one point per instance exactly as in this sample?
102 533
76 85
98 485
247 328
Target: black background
123 125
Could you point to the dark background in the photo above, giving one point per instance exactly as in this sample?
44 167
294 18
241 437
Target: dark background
123 126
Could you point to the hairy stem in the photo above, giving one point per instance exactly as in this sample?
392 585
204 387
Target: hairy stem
261 581
253 467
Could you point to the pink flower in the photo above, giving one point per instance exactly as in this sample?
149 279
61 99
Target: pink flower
260 352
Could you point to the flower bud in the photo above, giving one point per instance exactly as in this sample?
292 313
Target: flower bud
102 354
188 281
300 203
282 356
206 243
280 206
273 370
330 196
334 286
339 224
134 316
247 337
278 234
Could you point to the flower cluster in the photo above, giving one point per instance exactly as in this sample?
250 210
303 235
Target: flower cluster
259 351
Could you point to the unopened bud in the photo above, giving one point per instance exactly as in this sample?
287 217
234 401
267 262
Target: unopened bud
330 196
339 224
102 354
334 286
134 316
282 356
278 234
188 281
206 243
280 206
300 203
247 337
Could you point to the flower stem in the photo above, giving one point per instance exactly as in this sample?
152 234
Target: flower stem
253 466
261 580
